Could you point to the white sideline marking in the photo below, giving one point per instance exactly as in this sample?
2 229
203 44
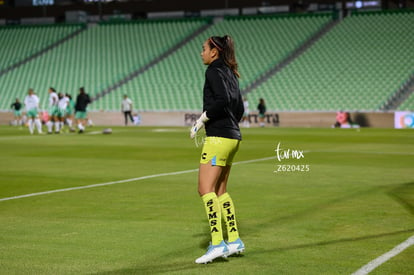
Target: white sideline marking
385 257
119 181
96 185
94 132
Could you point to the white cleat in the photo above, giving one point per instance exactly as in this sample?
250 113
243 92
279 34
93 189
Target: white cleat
213 252
235 247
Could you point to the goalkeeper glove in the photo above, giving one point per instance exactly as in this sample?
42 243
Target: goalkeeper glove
198 125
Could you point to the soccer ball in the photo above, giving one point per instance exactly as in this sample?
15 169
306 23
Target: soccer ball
107 131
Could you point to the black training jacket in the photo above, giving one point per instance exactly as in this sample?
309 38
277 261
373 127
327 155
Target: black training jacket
222 101
82 101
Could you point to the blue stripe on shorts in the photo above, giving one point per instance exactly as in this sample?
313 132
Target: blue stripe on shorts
214 161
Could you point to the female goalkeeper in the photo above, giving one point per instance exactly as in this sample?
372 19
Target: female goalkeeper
222 111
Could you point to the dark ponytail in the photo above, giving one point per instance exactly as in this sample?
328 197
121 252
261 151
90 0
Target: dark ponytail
225 47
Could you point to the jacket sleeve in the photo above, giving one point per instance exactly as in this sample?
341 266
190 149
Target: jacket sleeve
219 95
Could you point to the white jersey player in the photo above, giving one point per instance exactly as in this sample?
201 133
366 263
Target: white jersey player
53 111
61 114
31 103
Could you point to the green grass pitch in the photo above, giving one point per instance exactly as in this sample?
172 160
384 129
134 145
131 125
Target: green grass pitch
354 204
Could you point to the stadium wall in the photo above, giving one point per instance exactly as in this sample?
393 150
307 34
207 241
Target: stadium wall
272 119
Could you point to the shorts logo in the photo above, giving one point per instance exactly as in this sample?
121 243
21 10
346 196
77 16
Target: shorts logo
204 156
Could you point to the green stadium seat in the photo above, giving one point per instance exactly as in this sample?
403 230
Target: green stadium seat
356 66
96 58
261 42
363 61
20 42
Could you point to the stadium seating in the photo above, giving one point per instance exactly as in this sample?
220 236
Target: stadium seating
261 42
358 65
407 105
20 42
96 58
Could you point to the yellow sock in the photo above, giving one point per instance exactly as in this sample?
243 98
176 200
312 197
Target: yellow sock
213 211
229 214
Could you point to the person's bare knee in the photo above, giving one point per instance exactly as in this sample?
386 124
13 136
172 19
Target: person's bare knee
221 186
208 177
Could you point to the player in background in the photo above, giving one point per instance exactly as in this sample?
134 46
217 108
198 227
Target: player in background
245 118
53 111
89 122
222 112
81 114
31 103
61 114
261 107
126 108
17 112
70 109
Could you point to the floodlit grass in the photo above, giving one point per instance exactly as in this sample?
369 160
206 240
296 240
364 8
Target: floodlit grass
355 203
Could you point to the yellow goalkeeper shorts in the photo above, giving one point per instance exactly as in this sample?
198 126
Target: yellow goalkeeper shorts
219 151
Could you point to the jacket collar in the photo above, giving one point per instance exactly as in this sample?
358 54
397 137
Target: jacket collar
219 62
